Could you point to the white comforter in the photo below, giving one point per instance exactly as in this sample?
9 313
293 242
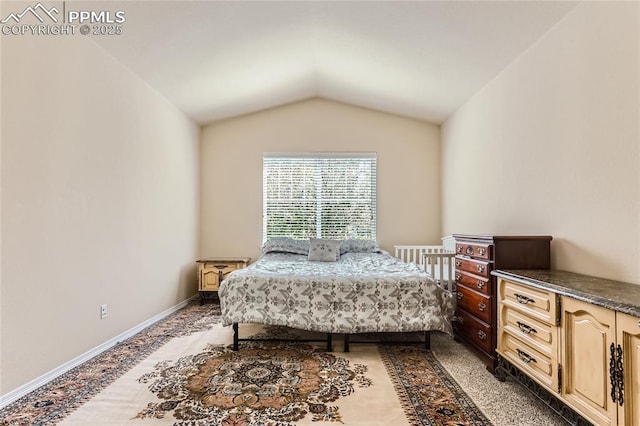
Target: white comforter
361 292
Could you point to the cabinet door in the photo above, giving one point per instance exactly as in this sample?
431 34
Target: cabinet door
587 333
209 278
628 337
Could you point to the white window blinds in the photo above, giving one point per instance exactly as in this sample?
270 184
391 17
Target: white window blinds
328 195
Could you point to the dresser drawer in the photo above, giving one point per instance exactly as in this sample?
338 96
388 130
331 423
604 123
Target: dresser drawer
535 364
477 267
478 304
480 251
481 284
534 333
536 303
474 330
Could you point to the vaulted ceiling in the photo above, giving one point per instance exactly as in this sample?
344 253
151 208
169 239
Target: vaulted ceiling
216 59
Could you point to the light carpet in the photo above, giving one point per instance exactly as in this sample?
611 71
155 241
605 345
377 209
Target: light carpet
182 372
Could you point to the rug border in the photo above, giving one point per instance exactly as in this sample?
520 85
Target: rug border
448 381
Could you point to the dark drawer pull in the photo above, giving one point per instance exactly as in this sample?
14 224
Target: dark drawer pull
482 335
525 356
460 296
458 276
480 284
526 329
458 319
480 268
523 299
482 306
458 263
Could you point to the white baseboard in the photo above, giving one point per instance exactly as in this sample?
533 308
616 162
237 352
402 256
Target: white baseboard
47 377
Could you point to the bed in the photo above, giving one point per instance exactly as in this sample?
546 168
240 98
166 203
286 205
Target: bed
363 290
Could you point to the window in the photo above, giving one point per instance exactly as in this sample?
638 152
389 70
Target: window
328 195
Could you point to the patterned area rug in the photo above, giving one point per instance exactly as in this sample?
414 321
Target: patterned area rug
181 371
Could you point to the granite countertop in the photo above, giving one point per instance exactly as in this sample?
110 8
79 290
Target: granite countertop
616 295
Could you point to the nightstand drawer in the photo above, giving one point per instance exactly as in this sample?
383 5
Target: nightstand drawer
476 267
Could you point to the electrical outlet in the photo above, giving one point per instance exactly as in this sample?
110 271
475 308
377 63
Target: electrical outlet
103 311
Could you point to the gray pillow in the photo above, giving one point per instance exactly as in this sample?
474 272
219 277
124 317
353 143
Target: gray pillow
286 245
324 250
359 246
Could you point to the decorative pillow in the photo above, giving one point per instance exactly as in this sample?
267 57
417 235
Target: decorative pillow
359 246
324 250
286 245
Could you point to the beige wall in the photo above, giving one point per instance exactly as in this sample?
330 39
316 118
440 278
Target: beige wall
99 203
551 145
231 166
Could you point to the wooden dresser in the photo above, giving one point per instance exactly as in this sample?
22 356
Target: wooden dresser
476 256
574 341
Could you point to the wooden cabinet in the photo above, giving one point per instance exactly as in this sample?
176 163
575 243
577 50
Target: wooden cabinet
600 363
212 271
574 342
476 256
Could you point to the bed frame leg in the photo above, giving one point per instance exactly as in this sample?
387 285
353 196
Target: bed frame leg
235 336
329 342
427 340
346 342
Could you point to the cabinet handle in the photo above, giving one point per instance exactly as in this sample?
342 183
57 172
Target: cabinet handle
523 299
482 335
480 268
458 263
459 249
480 284
458 277
526 329
481 251
460 295
525 356
482 306
620 375
612 372
458 319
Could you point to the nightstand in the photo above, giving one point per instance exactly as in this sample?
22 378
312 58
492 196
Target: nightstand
212 270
